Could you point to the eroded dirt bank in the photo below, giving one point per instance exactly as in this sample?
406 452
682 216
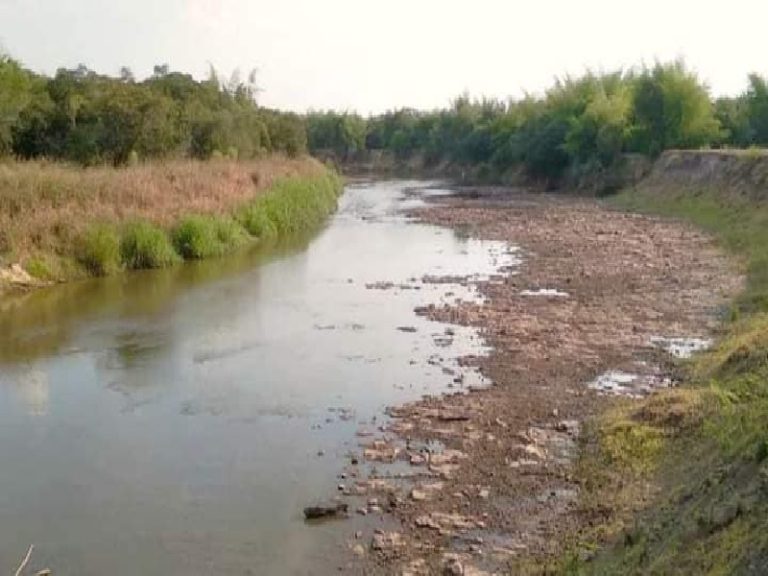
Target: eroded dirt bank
500 489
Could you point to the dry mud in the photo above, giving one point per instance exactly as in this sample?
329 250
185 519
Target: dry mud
485 478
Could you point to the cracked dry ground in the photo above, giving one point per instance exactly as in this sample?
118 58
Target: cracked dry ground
503 488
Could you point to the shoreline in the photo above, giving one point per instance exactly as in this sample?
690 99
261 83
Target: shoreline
106 221
504 492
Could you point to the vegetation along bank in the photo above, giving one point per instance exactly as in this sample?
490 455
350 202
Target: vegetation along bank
703 446
59 221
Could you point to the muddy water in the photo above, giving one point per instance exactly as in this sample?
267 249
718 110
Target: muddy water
177 421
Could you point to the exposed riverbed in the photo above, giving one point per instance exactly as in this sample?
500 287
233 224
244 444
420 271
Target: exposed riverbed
177 421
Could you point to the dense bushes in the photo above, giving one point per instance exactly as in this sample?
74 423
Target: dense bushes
579 126
88 118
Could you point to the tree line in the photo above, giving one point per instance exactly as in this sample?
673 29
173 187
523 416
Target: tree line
80 116
581 124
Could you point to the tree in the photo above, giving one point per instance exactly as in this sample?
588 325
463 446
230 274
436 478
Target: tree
15 84
671 109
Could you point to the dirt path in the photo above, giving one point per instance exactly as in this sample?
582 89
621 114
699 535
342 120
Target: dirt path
501 486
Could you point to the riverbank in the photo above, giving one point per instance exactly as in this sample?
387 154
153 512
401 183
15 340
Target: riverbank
584 325
61 222
705 454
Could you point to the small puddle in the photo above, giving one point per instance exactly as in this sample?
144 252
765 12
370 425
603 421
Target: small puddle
636 385
681 347
546 292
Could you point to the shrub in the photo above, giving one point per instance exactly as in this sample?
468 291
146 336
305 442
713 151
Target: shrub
99 250
195 237
231 233
198 237
144 245
255 220
37 267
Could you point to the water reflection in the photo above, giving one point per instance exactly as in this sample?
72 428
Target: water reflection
170 421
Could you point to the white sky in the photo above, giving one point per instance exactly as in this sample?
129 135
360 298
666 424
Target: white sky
371 56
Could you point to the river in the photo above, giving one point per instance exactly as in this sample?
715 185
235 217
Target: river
177 421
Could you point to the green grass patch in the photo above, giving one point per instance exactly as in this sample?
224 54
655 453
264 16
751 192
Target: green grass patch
144 245
99 250
39 267
704 446
198 237
291 206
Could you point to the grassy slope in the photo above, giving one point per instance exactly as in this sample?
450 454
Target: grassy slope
61 221
679 483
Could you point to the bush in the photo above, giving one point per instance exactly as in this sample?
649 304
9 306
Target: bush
292 205
198 237
195 238
38 267
231 233
144 245
255 220
99 250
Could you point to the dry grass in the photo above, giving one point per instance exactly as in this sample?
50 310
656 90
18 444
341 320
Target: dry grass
45 206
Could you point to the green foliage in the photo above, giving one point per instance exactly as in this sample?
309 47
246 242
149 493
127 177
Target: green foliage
15 94
670 109
144 245
99 250
343 134
89 118
198 237
256 222
38 267
292 205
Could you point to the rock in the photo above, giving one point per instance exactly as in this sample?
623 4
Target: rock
484 493
453 416
452 565
418 495
407 329
385 541
325 511
447 457
358 551
568 426
417 460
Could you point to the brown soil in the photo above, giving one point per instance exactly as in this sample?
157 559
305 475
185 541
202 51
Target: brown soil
503 489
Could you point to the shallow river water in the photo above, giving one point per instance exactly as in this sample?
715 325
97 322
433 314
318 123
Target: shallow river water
177 421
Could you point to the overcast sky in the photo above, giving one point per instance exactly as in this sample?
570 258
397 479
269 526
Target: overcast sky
368 55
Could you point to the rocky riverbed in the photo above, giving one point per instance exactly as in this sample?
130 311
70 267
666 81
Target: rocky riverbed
477 481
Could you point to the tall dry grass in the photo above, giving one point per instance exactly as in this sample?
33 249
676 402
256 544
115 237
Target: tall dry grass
45 206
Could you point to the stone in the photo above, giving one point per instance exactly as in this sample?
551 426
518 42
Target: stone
418 495
325 511
385 541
